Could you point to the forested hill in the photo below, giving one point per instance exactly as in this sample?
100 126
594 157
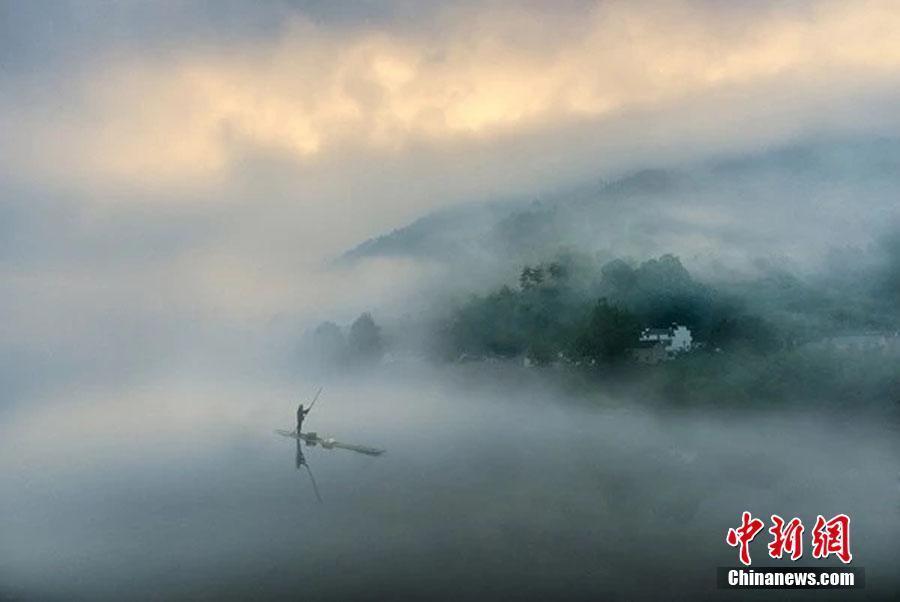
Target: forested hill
775 203
757 256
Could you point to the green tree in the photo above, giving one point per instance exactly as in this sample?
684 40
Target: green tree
610 332
750 333
365 342
531 277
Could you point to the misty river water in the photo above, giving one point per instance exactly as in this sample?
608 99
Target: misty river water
181 489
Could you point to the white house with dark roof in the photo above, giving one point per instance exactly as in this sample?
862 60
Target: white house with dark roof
676 339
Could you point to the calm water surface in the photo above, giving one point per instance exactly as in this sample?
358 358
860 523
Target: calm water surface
182 490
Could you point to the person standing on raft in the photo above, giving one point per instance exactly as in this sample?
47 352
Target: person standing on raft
301 414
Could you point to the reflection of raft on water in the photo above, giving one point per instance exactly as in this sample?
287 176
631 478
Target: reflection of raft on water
330 443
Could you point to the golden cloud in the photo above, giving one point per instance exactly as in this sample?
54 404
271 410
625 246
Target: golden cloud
314 92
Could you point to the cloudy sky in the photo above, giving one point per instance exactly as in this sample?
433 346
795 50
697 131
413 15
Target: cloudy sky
175 163
181 95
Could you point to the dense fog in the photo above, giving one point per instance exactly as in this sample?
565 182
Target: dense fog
140 459
493 484
459 221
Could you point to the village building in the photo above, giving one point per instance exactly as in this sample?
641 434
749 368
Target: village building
660 344
675 339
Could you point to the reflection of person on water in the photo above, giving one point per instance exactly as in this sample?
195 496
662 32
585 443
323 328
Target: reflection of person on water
301 414
301 459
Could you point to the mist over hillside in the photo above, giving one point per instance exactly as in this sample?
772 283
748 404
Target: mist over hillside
446 300
795 206
773 261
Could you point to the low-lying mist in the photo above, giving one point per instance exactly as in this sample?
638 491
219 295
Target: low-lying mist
526 456
495 484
